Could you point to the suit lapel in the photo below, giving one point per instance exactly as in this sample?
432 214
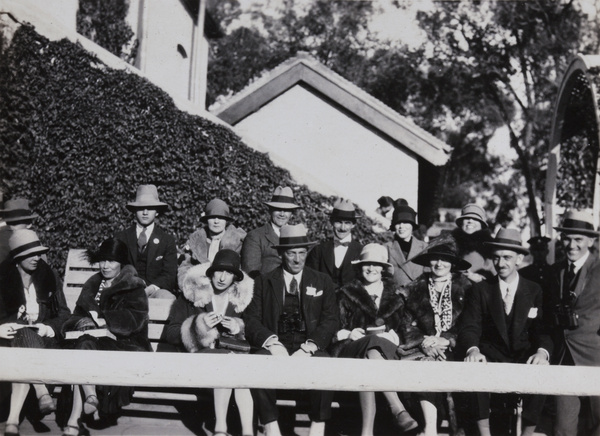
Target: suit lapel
278 288
583 273
132 243
521 306
497 309
396 255
270 234
152 247
352 253
329 256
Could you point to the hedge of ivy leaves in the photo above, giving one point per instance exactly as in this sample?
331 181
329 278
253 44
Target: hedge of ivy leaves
77 138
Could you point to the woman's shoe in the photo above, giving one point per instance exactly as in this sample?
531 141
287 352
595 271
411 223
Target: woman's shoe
70 430
90 405
405 422
83 431
11 430
46 404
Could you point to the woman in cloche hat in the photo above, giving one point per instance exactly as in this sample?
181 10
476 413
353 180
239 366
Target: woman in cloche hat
32 310
370 315
218 233
113 299
434 303
206 318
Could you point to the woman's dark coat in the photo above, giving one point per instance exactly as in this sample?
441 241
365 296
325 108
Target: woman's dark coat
358 310
418 320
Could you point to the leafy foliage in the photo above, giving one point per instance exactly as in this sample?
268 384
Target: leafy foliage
103 21
77 138
576 173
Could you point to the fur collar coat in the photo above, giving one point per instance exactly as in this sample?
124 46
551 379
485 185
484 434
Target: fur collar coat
418 319
124 305
198 293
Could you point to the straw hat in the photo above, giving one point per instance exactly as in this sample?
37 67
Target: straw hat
17 210
283 198
344 210
508 239
226 260
146 197
293 237
374 253
578 222
216 208
24 243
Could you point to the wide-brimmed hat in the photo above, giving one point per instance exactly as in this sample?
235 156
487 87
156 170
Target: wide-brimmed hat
17 210
112 249
283 198
404 214
374 253
293 237
508 239
146 197
216 208
538 241
446 251
578 222
226 260
472 211
24 243
343 210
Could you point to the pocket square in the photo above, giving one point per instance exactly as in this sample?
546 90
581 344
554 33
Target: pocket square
312 292
533 312
159 258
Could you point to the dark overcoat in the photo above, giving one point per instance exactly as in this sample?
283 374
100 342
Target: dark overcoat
258 254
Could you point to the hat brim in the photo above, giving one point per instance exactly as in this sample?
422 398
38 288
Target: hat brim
295 245
239 275
412 223
458 263
473 217
31 252
511 247
205 218
372 262
137 206
18 219
574 231
278 205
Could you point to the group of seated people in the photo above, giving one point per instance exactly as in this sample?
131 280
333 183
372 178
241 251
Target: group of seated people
273 291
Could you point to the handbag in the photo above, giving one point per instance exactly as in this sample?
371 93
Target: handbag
234 344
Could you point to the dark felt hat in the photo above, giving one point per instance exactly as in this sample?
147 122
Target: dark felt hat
404 214
445 251
112 249
216 208
538 241
226 260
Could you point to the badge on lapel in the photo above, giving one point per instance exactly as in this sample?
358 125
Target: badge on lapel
533 312
156 241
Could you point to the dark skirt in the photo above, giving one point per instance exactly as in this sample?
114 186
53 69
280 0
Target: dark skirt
358 349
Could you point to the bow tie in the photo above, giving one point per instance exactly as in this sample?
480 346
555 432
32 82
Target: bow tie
338 243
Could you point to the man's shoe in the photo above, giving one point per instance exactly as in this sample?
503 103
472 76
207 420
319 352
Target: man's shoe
405 422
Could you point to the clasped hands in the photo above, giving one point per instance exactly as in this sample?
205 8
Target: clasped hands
213 318
435 347
9 330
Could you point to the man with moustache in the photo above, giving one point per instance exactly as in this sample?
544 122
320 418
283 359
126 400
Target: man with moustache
258 254
293 313
575 308
151 250
404 246
334 256
502 322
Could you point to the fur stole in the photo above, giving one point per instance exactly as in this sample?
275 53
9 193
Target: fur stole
197 289
473 242
197 243
355 294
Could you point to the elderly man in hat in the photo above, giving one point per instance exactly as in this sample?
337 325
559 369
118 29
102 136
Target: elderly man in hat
404 246
152 251
539 271
17 215
32 311
258 254
334 256
502 322
293 313
575 307
218 233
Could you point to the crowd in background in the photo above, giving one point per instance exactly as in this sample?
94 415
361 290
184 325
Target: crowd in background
465 295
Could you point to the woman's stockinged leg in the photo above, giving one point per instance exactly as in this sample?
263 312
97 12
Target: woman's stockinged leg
367 408
221 402
17 399
77 408
392 397
243 399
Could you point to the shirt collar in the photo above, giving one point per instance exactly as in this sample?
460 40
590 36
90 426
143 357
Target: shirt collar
276 229
149 230
579 262
346 239
287 278
511 287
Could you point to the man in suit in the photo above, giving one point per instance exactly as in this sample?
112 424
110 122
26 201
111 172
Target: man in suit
293 313
258 254
151 250
575 308
334 256
502 322
404 246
